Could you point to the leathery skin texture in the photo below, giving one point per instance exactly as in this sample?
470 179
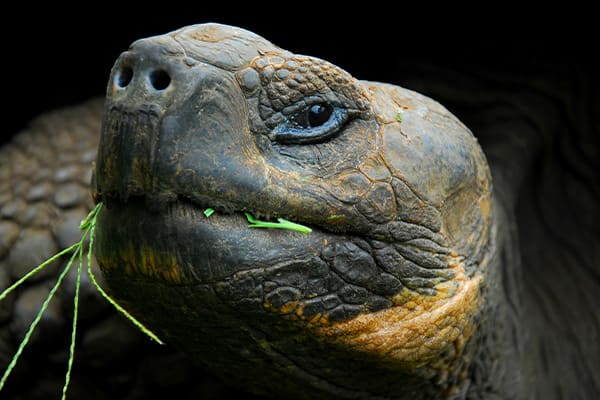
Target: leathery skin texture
386 298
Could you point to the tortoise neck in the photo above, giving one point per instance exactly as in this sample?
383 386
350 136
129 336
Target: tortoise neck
497 367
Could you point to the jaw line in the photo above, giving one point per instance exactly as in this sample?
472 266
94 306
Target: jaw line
144 244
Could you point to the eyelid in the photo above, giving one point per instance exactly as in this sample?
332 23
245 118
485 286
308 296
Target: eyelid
306 103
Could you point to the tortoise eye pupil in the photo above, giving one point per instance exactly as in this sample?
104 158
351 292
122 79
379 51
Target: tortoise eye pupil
318 114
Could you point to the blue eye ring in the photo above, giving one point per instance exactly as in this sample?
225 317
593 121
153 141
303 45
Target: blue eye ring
293 132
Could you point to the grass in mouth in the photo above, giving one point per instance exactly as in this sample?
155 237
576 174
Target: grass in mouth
88 226
280 224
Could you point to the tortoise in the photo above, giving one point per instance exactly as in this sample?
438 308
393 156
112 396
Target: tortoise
414 282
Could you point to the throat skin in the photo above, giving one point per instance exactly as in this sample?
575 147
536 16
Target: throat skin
461 343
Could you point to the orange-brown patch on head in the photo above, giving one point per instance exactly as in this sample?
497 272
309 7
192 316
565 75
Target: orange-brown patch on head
209 33
421 331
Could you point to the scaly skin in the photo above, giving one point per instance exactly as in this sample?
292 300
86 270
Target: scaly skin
386 298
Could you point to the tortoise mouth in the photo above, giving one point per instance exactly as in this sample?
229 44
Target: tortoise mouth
266 271
179 244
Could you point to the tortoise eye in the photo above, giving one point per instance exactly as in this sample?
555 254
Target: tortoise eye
312 124
314 116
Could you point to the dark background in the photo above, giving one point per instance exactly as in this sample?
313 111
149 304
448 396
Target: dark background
61 56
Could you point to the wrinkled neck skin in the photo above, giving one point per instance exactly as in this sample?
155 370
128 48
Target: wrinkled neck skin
497 370
505 331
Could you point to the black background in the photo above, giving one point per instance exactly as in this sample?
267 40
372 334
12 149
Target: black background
61 56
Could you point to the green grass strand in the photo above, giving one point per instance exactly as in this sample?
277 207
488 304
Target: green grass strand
37 269
35 322
120 309
74 327
280 224
88 225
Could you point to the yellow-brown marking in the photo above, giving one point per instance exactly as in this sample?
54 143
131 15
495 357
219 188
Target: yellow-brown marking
419 329
145 262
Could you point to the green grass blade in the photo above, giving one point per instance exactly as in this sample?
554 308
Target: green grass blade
35 322
294 226
130 317
90 219
88 225
281 224
37 269
74 328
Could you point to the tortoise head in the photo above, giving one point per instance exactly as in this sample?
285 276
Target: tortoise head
382 298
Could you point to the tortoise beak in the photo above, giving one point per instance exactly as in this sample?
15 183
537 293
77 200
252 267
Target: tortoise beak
142 85
175 128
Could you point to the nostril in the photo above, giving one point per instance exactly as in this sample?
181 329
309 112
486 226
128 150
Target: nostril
160 80
124 76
